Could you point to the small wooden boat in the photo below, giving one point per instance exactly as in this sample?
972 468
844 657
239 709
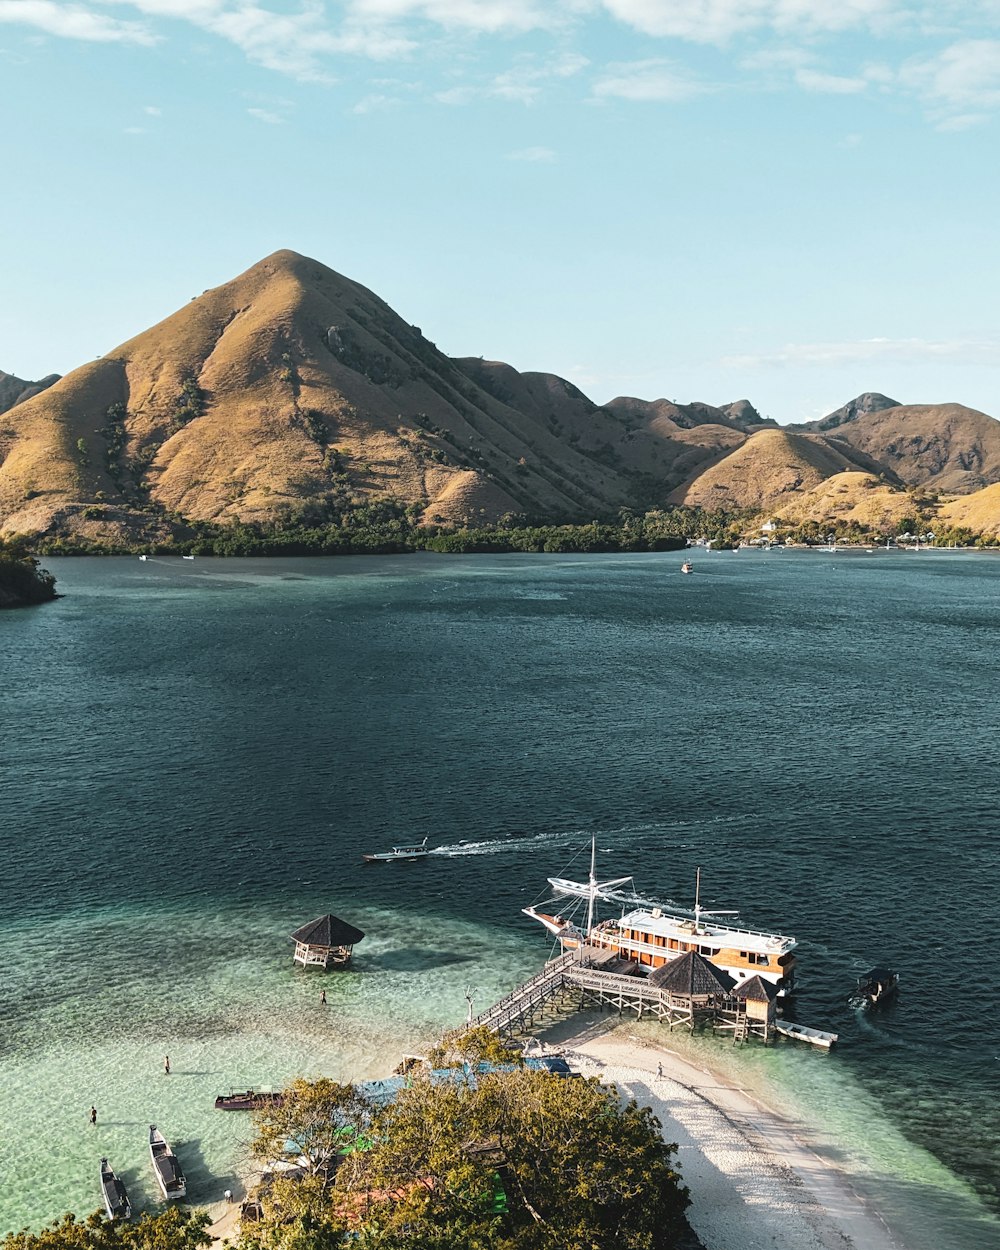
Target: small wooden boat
250 1100
166 1165
875 986
116 1202
406 850
803 1033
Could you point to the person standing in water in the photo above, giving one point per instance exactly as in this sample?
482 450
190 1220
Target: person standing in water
322 997
166 1064
93 1115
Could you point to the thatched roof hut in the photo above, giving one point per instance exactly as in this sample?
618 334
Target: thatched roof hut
758 996
692 976
325 941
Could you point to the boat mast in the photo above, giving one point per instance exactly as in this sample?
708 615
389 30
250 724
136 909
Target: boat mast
697 900
592 886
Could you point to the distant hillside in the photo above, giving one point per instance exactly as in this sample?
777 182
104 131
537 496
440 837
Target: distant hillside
293 394
851 497
14 390
979 512
870 401
767 469
944 446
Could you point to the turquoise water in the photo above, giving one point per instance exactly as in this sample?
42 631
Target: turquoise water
195 754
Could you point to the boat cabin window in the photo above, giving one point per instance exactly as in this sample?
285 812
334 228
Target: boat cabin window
709 950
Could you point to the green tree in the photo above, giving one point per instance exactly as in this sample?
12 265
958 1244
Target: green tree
172 1229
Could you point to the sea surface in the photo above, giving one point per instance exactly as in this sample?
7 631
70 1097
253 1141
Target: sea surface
195 754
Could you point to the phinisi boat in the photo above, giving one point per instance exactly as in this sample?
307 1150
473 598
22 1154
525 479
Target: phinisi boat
166 1165
116 1202
651 935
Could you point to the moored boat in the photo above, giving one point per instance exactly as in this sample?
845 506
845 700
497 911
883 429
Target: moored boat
250 1100
166 1166
687 567
405 850
652 936
116 1202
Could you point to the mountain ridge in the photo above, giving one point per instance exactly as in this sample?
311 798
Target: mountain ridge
293 390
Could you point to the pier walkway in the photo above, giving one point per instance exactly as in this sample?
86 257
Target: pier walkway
579 977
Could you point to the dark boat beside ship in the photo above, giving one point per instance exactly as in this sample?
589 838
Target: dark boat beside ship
250 1100
166 1166
875 987
116 1202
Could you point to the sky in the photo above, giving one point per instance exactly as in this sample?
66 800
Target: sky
788 201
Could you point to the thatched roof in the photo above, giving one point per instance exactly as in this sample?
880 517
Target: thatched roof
691 976
757 989
328 931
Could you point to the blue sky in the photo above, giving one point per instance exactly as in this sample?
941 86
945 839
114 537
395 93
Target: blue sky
790 201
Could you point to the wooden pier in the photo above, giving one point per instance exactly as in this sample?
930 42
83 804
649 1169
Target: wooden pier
581 977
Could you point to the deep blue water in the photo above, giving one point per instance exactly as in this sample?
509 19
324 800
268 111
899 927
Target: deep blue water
195 754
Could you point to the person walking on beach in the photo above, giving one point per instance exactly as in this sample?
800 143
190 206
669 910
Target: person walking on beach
322 997
166 1064
93 1115
659 1069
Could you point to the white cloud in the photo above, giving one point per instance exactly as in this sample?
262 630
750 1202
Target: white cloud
523 83
375 103
265 115
73 21
719 21
543 155
652 80
829 84
490 16
908 351
153 110
960 85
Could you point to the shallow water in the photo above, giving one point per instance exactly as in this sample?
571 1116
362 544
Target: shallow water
195 754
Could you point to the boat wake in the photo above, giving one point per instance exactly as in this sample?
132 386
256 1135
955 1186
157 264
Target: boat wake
495 846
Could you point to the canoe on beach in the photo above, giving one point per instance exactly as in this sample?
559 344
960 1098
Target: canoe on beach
247 1101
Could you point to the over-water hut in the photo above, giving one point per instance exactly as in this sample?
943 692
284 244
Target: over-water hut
695 988
326 942
756 1002
692 977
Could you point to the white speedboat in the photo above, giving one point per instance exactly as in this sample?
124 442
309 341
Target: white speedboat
405 850
166 1166
116 1202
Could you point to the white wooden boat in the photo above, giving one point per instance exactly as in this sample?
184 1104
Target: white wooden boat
166 1166
803 1033
116 1202
406 850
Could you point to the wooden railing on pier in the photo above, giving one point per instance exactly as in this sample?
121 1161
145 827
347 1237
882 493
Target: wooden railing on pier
519 1007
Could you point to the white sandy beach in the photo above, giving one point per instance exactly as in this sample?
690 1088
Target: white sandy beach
756 1182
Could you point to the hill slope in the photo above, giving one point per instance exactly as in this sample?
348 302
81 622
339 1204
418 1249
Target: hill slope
771 466
14 390
945 446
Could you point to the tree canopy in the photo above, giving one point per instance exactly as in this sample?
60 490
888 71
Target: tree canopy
21 580
489 1156
172 1229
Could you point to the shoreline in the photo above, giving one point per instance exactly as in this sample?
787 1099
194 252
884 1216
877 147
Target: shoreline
756 1179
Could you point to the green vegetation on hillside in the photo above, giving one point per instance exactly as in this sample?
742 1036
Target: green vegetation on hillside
21 580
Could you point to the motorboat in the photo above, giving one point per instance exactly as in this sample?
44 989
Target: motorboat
250 1100
874 987
405 850
687 567
166 1165
116 1202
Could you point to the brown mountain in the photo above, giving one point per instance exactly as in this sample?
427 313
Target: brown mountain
943 446
293 390
769 468
14 390
870 401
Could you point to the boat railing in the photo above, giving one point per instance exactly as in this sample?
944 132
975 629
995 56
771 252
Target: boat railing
780 938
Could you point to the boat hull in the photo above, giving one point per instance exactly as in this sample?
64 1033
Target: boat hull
166 1167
